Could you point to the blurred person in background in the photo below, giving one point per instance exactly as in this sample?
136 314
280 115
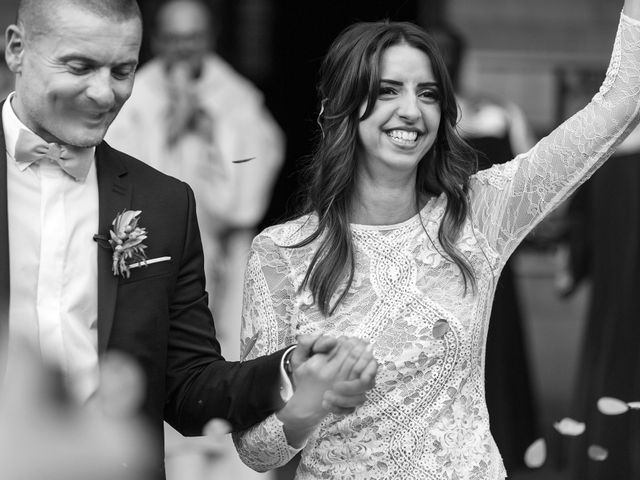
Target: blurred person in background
46 434
498 130
190 115
604 249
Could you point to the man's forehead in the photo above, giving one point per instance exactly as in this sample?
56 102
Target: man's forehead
46 16
68 22
101 42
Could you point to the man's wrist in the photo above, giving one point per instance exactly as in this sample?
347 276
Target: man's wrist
286 387
286 363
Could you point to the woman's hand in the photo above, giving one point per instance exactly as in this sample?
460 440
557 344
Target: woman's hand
329 381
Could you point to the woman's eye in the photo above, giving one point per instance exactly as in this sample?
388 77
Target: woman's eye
386 91
430 94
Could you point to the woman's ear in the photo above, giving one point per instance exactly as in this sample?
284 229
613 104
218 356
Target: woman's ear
14 50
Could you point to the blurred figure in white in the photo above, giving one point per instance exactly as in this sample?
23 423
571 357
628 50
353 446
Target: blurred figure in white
47 434
193 117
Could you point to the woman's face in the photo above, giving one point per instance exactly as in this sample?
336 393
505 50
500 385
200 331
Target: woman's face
403 124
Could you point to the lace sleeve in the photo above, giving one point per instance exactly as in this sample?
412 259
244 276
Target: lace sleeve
509 200
268 309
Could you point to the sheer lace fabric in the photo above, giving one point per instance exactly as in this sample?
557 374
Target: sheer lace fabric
426 417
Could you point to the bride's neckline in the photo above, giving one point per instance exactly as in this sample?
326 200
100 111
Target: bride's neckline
413 219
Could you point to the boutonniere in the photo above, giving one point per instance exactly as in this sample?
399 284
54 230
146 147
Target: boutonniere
126 239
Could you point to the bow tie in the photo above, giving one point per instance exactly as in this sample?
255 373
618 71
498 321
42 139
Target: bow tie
30 148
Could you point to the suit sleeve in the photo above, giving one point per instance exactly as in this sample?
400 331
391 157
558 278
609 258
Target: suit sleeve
201 385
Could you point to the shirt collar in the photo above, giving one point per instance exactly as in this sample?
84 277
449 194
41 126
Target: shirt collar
12 126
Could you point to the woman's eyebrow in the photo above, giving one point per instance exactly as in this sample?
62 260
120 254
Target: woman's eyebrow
399 83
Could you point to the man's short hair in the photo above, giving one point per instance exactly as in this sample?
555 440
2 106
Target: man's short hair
35 12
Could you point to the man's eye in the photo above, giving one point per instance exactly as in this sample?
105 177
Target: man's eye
78 68
123 74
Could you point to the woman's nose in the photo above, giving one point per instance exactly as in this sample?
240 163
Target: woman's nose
408 107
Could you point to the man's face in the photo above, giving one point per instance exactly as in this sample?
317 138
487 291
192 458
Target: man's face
73 78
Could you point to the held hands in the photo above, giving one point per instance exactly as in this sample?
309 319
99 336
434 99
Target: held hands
330 376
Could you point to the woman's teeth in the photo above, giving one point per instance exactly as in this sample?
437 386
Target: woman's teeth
403 136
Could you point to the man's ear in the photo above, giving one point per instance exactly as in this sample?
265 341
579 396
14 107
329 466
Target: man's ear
14 49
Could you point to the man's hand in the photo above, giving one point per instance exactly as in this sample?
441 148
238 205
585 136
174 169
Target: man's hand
356 376
330 375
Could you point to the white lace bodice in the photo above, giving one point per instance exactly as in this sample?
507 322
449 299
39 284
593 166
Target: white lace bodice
426 417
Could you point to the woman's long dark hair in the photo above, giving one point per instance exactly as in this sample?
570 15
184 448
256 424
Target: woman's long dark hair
349 78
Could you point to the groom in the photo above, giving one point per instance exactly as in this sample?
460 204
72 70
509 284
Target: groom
74 62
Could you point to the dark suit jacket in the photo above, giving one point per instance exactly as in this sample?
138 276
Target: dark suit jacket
160 315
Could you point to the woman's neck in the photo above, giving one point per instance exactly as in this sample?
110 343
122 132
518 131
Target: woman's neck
383 203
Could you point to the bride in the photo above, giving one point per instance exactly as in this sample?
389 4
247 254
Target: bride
401 243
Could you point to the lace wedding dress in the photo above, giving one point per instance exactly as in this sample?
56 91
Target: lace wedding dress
426 417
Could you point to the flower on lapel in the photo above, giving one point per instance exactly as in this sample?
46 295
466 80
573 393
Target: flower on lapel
126 242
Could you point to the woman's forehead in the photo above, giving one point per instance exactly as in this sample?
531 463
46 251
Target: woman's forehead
403 60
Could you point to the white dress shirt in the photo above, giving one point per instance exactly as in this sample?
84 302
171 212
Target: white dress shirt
53 261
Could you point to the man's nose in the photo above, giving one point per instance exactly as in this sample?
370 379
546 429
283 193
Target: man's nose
101 89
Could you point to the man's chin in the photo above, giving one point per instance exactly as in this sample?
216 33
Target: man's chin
86 138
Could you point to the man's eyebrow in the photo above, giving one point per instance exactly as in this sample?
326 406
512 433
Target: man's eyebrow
78 57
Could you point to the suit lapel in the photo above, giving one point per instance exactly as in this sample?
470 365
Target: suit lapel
114 197
4 242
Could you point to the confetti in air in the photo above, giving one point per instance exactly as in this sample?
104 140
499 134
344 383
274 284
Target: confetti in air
597 453
536 454
615 406
570 427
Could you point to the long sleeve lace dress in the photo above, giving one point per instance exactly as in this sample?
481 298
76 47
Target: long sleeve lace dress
426 418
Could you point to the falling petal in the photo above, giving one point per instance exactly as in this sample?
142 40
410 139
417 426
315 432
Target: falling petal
536 454
216 428
570 427
440 328
597 453
612 406
634 405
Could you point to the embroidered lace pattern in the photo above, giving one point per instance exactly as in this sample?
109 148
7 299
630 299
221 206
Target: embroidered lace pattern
426 418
